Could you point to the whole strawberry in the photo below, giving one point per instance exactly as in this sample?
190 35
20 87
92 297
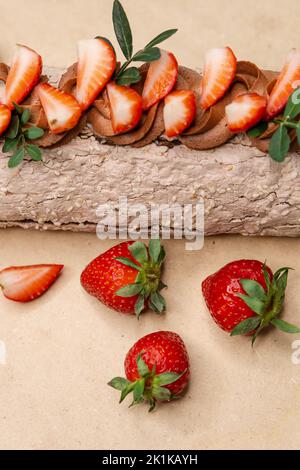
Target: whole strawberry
126 277
244 297
156 368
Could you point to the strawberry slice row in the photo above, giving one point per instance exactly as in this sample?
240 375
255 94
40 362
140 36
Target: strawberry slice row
245 111
179 112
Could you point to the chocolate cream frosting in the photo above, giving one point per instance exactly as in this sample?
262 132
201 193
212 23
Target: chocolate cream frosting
208 131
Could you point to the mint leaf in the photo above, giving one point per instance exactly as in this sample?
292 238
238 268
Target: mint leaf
9 145
25 116
147 55
253 289
285 326
16 158
256 131
161 37
280 144
33 133
122 29
14 126
246 326
129 76
34 152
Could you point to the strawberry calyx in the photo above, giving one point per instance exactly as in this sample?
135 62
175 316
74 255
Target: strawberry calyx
148 282
149 387
267 304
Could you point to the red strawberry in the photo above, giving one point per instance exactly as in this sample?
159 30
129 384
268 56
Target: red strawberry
26 283
23 75
179 111
125 106
245 111
286 83
244 297
62 110
5 115
126 277
218 75
96 64
160 80
157 369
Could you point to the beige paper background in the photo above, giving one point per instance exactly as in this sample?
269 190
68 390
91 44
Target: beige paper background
62 348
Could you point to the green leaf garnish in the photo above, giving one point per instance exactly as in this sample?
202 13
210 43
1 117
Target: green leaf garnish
292 109
16 158
33 133
34 152
14 126
122 29
147 55
161 37
280 144
129 76
258 130
25 116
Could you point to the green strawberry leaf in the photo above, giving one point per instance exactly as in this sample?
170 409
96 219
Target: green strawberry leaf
292 108
161 393
147 55
161 37
255 304
266 276
122 29
285 326
129 76
128 262
139 305
279 144
138 392
143 369
258 130
157 302
130 290
253 289
119 383
139 252
154 249
167 378
246 326
126 391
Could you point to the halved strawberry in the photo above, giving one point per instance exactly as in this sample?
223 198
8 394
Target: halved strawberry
96 64
245 111
285 84
62 110
23 75
218 75
5 115
179 111
160 80
126 107
26 283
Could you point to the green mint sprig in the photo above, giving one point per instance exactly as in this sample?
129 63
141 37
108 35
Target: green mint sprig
128 75
18 135
280 141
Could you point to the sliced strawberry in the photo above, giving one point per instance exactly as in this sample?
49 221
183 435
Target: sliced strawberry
5 115
179 111
245 111
23 75
286 83
26 283
160 80
126 107
219 72
62 110
96 64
